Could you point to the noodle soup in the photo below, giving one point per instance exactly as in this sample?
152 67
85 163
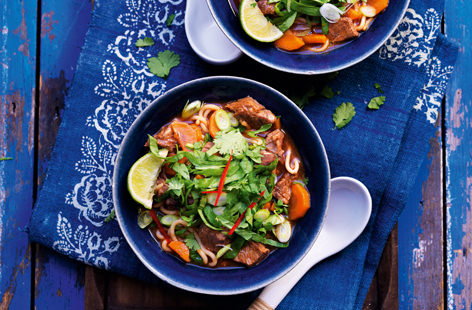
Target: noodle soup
228 186
316 26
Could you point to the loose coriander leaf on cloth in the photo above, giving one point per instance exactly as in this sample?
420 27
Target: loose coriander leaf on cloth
144 42
6 158
170 19
343 114
376 102
302 100
379 88
162 64
327 92
229 142
110 217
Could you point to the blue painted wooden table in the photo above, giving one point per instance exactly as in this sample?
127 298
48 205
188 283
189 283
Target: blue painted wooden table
427 263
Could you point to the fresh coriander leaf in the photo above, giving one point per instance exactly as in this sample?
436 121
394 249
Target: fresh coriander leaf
110 217
191 242
229 142
284 23
176 185
170 19
253 5
376 102
379 88
303 100
324 25
327 92
182 170
6 158
144 42
343 114
263 128
162 64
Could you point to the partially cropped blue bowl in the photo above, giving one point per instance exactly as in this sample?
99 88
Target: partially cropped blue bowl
222 281
310 63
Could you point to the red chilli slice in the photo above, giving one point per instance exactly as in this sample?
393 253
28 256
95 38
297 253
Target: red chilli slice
241 217
222 180
159 225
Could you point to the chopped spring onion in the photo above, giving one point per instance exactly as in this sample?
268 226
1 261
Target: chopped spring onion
283 231
144 219
167 220
274 220
232 120
221 201
223 251
222 120
191 108
219 210
330 12
261 215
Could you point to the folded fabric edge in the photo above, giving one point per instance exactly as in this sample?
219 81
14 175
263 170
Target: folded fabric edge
446 51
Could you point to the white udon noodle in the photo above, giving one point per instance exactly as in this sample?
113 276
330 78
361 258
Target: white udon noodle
292 166
201 118
204 253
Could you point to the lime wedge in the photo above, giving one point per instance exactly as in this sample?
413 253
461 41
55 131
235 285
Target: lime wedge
142 177
255 24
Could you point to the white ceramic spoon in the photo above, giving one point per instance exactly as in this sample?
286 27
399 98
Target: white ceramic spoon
348 212
205 37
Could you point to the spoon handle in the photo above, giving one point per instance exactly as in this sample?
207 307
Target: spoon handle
275 292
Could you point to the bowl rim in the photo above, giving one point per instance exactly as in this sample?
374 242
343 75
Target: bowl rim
135 248
301 71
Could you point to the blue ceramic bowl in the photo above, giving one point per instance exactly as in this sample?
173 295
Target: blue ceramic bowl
206 280
340 58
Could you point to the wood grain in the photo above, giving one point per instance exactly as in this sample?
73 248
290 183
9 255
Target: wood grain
59 282
458 26
17 110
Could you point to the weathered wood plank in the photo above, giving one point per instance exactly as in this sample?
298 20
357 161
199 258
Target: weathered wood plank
17 111
59 282
458 25
420 234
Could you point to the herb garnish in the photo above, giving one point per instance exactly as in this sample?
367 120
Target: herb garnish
379 88
327 92
163 63
170 19
6 158
376 102
110 217
343 114
144 42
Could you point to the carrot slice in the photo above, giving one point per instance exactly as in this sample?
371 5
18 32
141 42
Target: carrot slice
299 203
353 14
184 134
213 127
379 5
180 249
315 38
289 42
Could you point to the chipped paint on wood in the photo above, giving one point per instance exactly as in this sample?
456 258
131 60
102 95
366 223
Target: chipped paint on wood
17 87
420 238
59 282
458 160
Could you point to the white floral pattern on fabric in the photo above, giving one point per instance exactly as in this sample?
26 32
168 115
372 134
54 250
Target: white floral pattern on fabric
414 38
126 84
433 91
87 246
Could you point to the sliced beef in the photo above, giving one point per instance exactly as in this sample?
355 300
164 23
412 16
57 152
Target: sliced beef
207 146
266 7
252 253
171 204
343 30
267 157
283 188
165 138
275 142
250 113
161 186
211 239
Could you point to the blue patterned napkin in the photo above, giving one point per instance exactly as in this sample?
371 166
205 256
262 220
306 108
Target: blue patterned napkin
384 148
